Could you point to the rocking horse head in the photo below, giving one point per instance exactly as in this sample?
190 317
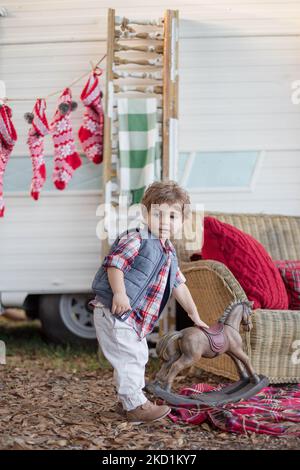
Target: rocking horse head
245 306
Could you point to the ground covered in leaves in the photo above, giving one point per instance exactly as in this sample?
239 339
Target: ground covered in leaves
63 398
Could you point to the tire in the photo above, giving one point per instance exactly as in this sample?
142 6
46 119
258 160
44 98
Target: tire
67 319
32 306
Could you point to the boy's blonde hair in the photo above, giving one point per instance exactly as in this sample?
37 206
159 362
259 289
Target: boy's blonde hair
168 192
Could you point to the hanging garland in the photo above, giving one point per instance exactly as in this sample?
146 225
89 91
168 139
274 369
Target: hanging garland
66 158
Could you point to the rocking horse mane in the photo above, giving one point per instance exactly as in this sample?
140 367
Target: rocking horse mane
231 306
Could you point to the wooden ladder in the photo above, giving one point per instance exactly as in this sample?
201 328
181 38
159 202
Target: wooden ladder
142 60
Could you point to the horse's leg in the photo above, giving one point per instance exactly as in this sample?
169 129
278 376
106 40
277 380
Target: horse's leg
241 371
239 354
162 373
181 363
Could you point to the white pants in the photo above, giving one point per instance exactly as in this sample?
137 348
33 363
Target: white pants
126 353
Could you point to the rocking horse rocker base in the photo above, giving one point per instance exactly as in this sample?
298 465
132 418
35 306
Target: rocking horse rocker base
181 349
234 392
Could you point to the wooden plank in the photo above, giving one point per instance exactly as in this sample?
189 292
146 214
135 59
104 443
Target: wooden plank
176 66
166 96
170 87
173 151
107 164
109 79
170 155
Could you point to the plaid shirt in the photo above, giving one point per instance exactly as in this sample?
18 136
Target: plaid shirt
144 316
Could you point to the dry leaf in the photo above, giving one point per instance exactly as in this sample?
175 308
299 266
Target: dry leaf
206 427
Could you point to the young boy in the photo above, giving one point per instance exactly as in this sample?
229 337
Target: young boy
133 285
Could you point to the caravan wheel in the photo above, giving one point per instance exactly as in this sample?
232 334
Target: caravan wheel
67 318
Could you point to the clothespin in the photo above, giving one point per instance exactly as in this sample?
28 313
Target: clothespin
2 92
3 12
95 68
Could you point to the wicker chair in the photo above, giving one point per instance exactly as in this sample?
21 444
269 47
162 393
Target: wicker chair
270 344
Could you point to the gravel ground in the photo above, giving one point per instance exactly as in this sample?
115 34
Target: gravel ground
53 398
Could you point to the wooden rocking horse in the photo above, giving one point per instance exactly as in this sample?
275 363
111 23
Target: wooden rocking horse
181 349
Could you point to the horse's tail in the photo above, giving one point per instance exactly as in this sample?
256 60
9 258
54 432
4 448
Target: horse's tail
163 346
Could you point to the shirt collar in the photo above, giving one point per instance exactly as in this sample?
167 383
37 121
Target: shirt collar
167 246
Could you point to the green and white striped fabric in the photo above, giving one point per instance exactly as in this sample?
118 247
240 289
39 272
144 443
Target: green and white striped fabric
139 145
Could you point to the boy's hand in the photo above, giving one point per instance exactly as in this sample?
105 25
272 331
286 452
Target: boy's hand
120 303
199 322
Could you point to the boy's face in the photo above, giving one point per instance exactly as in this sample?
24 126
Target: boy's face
164 220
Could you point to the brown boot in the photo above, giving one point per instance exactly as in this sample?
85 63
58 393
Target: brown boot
120 410
147 412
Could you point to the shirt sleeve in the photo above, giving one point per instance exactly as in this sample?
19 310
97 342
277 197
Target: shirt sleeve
124 253
179 279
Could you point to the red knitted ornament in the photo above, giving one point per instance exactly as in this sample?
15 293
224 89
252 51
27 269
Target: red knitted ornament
91 132
8 137
66 159
39 128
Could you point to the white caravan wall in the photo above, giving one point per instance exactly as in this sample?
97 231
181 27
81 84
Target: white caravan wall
238 60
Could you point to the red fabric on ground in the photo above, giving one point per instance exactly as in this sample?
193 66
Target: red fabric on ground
274 410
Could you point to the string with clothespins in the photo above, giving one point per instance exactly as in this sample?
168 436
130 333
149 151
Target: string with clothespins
65 156
94 69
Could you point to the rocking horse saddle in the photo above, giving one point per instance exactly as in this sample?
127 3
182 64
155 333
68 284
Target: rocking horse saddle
216 337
